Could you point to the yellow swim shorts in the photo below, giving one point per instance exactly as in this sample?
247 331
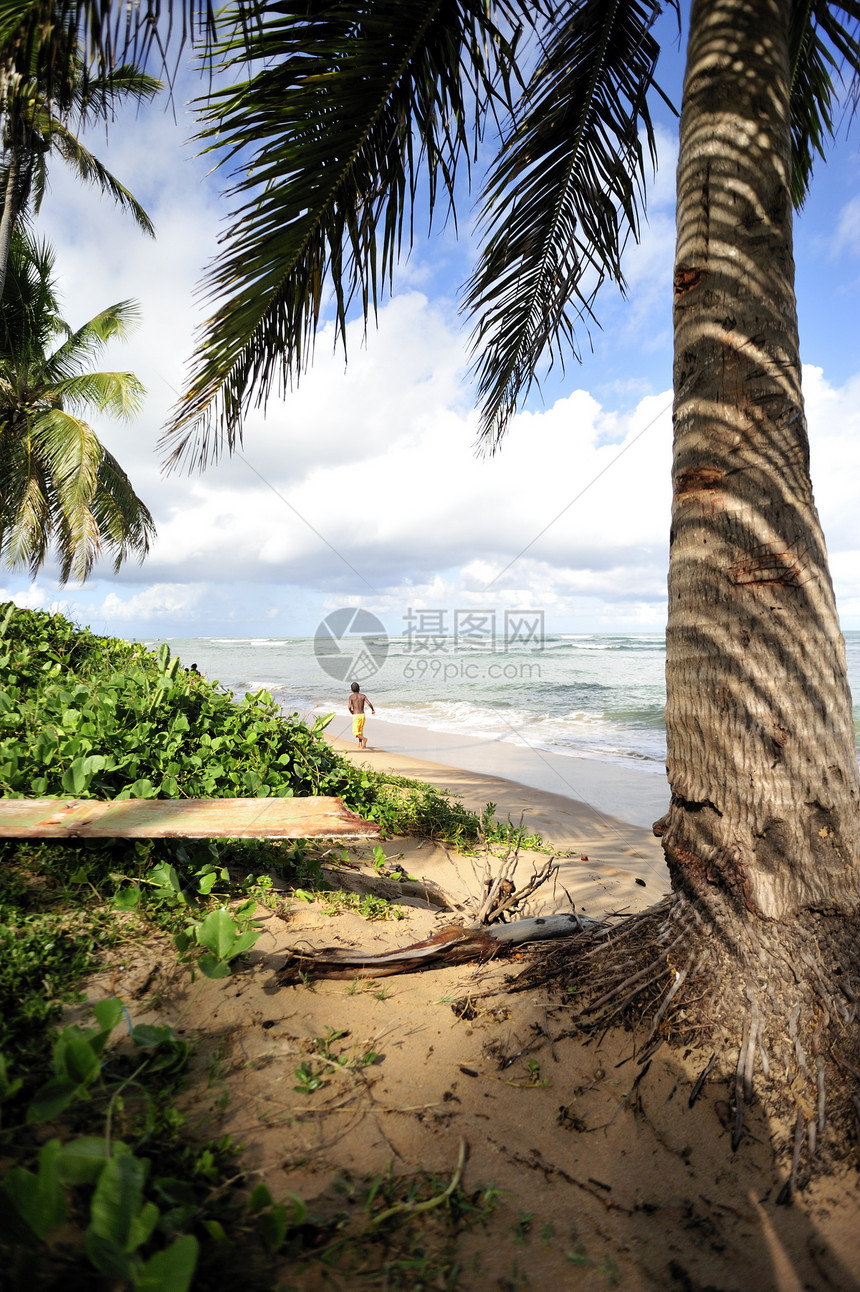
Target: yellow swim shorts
358 724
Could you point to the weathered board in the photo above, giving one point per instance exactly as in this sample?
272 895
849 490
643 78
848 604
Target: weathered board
298 818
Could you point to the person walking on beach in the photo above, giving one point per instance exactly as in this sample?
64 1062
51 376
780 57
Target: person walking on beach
356 703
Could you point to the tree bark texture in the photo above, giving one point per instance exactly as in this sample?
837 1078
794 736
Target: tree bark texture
9 216
761 747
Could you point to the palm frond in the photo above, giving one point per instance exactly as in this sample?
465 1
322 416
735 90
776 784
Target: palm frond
97 97
125 523
87 342
344 106
38 33
562 199
118 393
71 453
69 450
26 531
92 171
29 311
824 48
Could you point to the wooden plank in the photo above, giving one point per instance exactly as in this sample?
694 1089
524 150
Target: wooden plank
271 818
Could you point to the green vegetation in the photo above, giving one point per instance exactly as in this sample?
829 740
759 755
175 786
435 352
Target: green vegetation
96 717
101 1177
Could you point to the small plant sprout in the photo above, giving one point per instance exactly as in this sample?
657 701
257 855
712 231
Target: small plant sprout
308 1079
606 1266
523 1226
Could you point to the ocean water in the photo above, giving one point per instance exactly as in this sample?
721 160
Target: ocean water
595 696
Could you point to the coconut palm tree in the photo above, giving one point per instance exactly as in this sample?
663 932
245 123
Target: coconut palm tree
58 484
37 123
336 113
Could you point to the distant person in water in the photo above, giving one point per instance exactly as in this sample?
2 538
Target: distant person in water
356 704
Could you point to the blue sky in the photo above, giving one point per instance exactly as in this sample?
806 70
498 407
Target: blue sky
362 487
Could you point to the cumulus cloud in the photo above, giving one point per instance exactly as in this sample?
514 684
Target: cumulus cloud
36 596
362 486
159 601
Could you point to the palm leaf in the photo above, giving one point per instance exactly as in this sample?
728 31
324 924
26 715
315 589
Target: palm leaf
345 105
26 527
29 314
97 97
71 453
69 449
118 393
125 524
87 342
36 33
90 169
823 46
562 199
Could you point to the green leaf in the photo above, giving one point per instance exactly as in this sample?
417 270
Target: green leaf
212 967
127 898
243 943
51 1099
172 1269
141 1226
76 1056
260 1197
142 789
273 1227
82 1160
300 1210
8 1088
107 1255
164 876
217 932
117 1211
149 1035
107 1013
39 1199
76 778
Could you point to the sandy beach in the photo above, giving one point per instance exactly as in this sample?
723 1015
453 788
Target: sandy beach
601 1172
637 797
623 868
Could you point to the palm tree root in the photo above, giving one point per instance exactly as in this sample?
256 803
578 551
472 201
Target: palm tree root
774 1005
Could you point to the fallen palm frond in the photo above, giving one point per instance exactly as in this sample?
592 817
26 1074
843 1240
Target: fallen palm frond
451 945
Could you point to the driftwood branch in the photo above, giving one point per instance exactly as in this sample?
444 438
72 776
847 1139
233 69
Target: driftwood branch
451 945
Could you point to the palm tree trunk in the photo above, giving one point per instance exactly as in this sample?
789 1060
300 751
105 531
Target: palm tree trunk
761 746
10 214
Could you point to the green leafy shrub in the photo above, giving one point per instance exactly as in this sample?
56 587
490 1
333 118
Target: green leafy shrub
95 717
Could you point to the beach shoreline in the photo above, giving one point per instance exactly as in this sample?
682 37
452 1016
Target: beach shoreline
606 862
628 794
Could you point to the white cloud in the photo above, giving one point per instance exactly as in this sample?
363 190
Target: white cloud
847 235
36 597
376 460
155 602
